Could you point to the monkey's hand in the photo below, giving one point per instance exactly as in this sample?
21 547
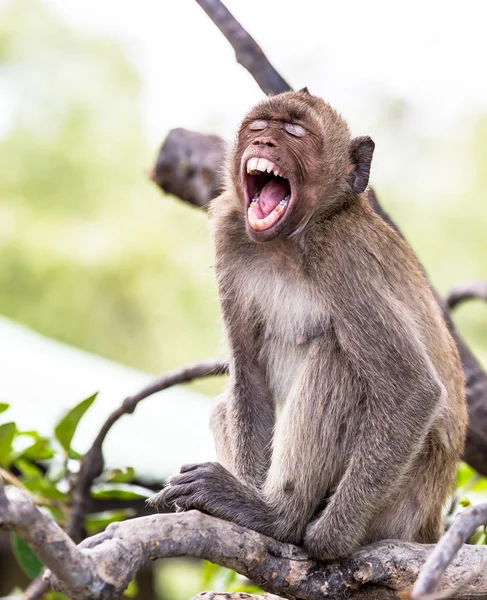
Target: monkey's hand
208 487
327 539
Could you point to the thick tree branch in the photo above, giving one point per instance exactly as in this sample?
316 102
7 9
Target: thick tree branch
475 290
102 566
247 52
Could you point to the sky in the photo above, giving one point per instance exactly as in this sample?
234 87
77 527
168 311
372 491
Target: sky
430 54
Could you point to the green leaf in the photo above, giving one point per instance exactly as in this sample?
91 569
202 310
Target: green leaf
477 537
7 432
208 573
66 428
100 521
28 469
26 558
464 474
39 450
43 487
3 406
132 590
464 502
120 475
56 513
74 455
229 579
120 491
52 595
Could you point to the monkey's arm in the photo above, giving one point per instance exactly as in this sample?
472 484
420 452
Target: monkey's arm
245 422
244 425
402 395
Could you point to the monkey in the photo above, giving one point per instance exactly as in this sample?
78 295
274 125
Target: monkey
345 413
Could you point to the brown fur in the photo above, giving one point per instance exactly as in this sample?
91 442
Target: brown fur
330 319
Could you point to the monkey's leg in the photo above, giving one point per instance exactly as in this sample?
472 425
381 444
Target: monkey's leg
386 445
221 434
312 438
414 512
303 457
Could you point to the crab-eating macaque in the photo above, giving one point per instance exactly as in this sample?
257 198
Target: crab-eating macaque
345 414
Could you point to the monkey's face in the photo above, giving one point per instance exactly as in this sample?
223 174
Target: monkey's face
292 157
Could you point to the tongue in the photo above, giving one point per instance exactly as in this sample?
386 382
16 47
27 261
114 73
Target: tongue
272 193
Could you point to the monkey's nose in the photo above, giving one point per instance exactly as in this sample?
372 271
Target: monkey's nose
264 142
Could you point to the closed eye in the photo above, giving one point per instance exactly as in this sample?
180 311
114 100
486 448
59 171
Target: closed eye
295 129
258 125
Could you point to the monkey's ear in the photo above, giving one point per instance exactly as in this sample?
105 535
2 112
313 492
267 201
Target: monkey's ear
305 91
361 151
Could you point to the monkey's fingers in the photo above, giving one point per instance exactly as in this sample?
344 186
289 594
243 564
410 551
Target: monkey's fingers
173 493
189 467
183 478
166 498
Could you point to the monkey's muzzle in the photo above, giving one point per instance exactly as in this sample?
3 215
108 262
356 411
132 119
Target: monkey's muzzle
268 193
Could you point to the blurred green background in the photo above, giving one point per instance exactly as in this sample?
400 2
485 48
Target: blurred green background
93 254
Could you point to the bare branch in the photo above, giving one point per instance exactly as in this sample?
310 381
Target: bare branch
101 567
234 596
447 548
92 464
475 290
247 52
51 544
188 166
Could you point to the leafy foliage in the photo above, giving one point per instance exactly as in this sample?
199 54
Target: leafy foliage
65 429
46 468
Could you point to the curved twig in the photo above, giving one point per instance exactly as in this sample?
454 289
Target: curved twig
92 464
447 549
247 52
475 290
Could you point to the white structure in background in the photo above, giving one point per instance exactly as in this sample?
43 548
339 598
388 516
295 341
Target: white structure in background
42 378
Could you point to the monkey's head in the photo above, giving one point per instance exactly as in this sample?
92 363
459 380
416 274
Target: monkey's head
293 159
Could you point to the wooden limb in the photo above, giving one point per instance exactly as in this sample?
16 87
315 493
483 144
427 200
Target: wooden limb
247 52
93 461
446 550
101 567
52 545
475 290
189 166
234 596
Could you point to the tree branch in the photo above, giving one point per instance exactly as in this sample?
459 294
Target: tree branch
475 290
93 463
101 567
247 52
447 548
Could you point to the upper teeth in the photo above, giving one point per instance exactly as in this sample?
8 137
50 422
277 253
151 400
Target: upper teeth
264 166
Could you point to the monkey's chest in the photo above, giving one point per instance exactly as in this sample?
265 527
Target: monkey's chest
292 319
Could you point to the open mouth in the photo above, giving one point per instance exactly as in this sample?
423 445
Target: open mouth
269 193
